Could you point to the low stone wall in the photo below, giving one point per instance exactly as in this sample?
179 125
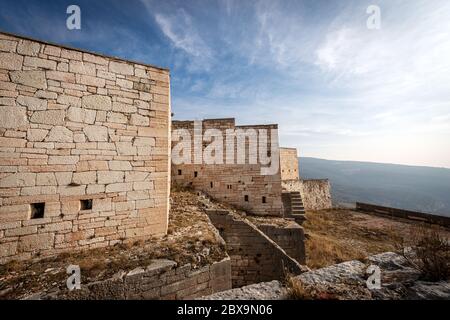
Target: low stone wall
316 194
291 238
405 214
160 280
254 256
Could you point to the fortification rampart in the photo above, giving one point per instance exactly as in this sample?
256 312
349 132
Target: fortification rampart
316 194
240 184
84 149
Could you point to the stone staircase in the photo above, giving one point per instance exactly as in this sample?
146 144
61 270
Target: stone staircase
294 206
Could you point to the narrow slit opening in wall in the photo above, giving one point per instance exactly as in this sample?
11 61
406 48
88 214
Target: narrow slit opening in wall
246 198
264 200
195 174
86 204
211 184
179 172
37 210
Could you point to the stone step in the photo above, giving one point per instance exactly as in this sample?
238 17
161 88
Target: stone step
299 218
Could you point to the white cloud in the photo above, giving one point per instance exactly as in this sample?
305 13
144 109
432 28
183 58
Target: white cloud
183 34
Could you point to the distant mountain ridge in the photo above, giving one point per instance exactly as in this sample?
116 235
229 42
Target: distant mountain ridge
425 189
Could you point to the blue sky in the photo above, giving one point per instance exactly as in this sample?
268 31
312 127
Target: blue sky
337 89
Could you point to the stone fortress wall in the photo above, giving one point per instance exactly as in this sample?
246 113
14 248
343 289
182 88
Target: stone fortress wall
241 185
289 164
315 193
84 149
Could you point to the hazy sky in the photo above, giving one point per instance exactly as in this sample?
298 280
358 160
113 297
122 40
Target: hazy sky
337 89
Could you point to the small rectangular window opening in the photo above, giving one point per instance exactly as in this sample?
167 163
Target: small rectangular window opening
37 210
246 198
179 172
263 199
86 204
195 174
211 184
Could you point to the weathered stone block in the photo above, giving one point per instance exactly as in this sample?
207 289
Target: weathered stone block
97 102
51 117
36 134
63 178
144 142
8 249
52 50
10 61
8 45
121 68
35 79
59 134
12 117
12 142
123 107
21 179
126 149
81 115
95 59
71 190
32 103
29 48
46 179
63 159
91 81
39 63
70 207
119 187
96 133
36 242
88 177
61 76
139 120
105 177
69 100
120 165
81 67
117 117
101 205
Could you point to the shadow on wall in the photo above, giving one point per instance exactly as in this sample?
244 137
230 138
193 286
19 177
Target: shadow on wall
254 256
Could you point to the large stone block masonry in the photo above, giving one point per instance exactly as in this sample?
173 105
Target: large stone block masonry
240 184
84 149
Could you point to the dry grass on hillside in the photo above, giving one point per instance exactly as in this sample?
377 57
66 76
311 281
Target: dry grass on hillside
339 235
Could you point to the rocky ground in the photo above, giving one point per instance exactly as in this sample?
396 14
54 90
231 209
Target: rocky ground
191 239
347 281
